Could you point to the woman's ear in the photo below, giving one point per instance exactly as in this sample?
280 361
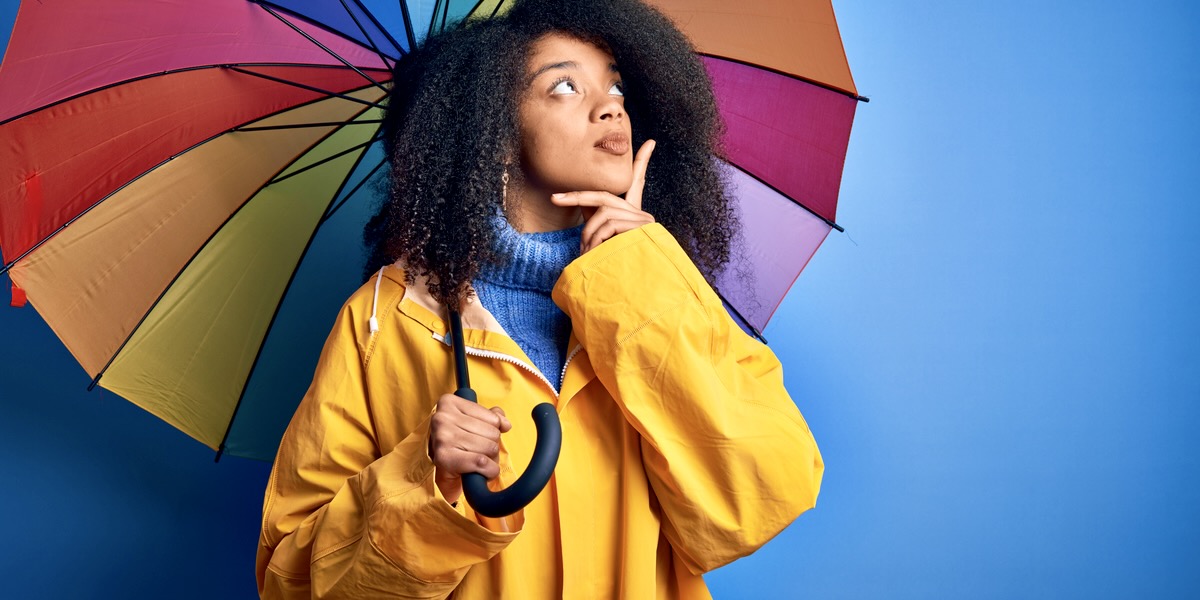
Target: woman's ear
510 157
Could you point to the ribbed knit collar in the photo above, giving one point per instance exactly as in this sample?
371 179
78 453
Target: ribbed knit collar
531 261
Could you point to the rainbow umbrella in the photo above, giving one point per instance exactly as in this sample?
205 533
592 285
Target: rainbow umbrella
183 185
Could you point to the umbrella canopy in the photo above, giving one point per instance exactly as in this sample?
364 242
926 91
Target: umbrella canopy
784 90
184 184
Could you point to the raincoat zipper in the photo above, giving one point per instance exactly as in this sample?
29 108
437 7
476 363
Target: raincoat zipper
562 377
472 351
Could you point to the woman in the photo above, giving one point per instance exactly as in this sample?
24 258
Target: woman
579 268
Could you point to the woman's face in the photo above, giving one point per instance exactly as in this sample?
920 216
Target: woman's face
575 135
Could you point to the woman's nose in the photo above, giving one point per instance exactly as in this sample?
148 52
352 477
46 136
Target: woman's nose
608 108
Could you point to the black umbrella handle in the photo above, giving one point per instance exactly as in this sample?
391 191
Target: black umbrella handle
545 453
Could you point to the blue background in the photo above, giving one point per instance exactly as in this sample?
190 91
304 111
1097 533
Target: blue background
999 358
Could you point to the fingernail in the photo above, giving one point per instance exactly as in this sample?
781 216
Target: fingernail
557 196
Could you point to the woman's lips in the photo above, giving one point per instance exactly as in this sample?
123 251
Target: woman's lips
614 144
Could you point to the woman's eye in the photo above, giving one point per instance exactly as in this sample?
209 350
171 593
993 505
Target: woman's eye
617 89
565 86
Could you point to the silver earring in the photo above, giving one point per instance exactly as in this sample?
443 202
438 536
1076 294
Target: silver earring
504 190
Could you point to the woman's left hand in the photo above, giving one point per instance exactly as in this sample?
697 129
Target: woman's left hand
605 214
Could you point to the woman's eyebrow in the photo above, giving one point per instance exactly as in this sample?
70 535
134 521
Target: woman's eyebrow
569 64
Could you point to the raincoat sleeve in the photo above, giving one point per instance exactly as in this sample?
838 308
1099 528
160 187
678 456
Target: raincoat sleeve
340 520
728 455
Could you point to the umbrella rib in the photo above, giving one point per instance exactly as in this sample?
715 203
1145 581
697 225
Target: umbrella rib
323 47
379 26
275 315
367 12
433 18
408 30
752 65
5 268
329 214
382 57
180 70
325 160
199 249
781 193
306 87
308 125
754 330
478 4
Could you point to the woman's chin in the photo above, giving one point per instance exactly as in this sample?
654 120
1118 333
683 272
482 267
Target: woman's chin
613 181
616 184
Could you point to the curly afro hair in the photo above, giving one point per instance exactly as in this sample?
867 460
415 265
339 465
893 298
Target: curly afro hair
452 118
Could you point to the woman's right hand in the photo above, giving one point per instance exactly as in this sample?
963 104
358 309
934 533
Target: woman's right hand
464 437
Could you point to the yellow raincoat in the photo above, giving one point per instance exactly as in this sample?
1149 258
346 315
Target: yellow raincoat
681 449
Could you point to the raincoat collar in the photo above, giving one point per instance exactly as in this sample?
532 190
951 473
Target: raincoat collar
482 331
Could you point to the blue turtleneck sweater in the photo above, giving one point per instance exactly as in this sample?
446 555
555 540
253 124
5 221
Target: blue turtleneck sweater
517 292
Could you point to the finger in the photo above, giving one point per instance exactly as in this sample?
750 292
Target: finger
590 199
448 443
452 438
640 163
490 469
612 227
455 461
472 409
478 444
607 214
505 424
603 231
448 426
473 426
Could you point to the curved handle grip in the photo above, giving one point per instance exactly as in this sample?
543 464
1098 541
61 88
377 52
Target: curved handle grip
545 455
